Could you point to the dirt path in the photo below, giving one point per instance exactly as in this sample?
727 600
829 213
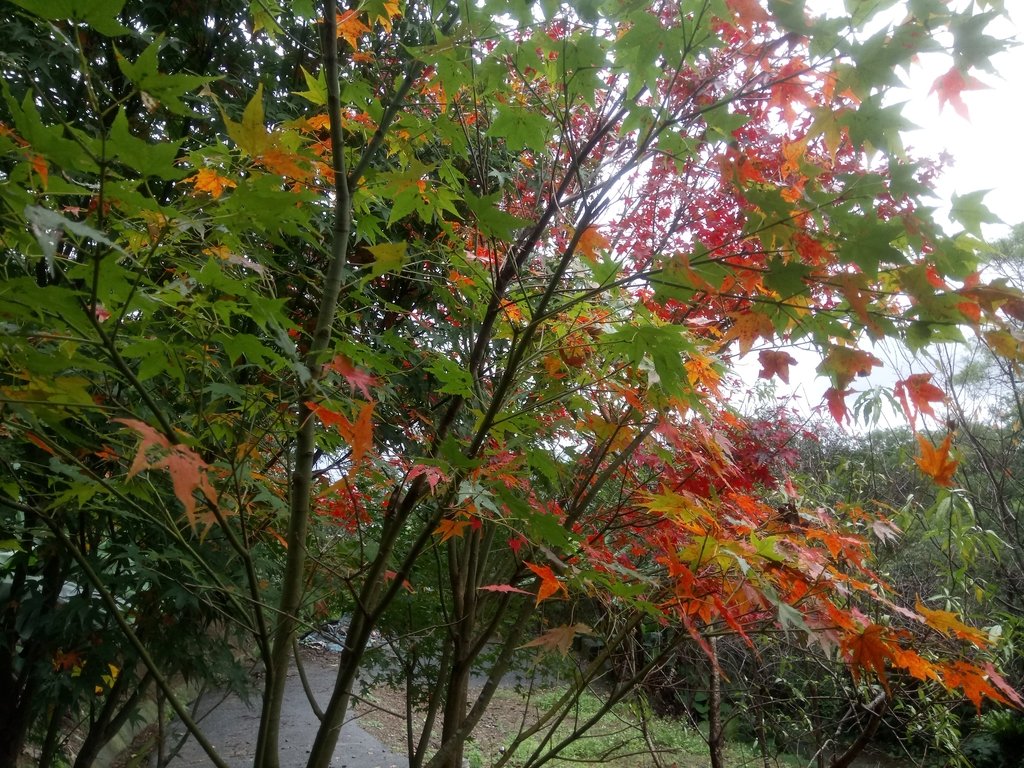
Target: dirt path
231 726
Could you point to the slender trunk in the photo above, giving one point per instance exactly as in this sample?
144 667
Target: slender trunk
14 722
716 742
455 712
52 739
875 711
417 755
116 711
760 702
301 481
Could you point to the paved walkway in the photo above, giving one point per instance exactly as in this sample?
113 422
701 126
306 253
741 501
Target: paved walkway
231 726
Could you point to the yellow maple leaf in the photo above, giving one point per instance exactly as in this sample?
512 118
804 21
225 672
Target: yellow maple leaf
391 11
948 623
748 327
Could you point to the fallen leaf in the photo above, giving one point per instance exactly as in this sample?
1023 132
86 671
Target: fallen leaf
507 588
558 639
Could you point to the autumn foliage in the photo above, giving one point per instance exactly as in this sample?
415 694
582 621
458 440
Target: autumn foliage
427 314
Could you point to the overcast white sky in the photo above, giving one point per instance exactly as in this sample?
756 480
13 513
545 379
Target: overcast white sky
987 151
988 154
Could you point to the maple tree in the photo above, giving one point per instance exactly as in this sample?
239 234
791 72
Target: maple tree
405 310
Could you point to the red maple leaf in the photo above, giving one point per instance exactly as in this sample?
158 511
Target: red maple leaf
836 400
949 87
432 475
917 390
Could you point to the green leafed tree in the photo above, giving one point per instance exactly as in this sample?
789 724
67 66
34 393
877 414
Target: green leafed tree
422 312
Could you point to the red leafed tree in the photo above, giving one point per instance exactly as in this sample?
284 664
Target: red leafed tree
453 324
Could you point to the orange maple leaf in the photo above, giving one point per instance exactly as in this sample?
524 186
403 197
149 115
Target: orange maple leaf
41 168
949 87
549 583
747 12
450 528
855 290
358 434
209 181
775 363
558 639
351 28
917 390
591 241
868 651
973 680
915 664
188 471
284 163
948 623
934 461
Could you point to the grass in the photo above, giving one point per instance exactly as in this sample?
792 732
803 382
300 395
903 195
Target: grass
617 740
